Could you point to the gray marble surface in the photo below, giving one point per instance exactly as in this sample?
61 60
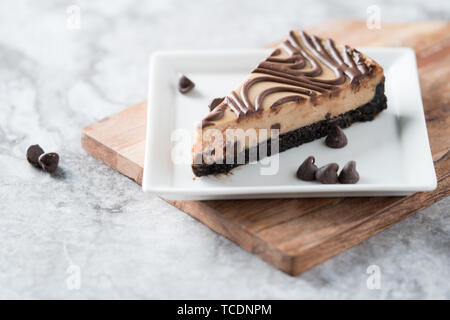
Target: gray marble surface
89 232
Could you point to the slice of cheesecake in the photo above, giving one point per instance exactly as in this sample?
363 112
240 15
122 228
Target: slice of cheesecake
294 96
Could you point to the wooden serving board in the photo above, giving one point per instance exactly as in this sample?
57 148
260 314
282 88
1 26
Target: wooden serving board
297 234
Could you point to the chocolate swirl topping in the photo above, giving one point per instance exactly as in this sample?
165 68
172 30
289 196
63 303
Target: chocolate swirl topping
298 74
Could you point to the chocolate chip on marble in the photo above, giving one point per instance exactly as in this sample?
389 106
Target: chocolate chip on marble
33 153
336 137
327 174
185 84
349 175
49 161
307 169
215 102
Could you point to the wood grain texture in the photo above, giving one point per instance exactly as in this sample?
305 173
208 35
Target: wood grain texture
297 234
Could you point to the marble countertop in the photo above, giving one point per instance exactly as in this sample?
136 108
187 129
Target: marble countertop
89 232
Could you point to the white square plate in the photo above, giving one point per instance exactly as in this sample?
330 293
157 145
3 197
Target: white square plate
392 152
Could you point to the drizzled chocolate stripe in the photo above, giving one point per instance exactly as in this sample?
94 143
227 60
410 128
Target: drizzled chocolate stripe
266 92
216 114
284 100
298 84
298 73
276 52
335 63
318 84
233 106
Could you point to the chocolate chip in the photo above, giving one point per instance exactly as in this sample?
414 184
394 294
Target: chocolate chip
328 173
336 137
307 169
349 175
185 84
33 153
215 102
49 161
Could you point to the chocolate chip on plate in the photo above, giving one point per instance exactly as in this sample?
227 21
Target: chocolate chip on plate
307 169
336 137
327 174
33 153
349 175
185 84
49 161
215 102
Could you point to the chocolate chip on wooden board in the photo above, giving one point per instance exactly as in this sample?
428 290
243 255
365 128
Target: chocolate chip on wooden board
185 84
33 153
327 174
307 169
336 137
215 102
49 161
349 175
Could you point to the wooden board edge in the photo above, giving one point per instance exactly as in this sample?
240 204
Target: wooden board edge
109 157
